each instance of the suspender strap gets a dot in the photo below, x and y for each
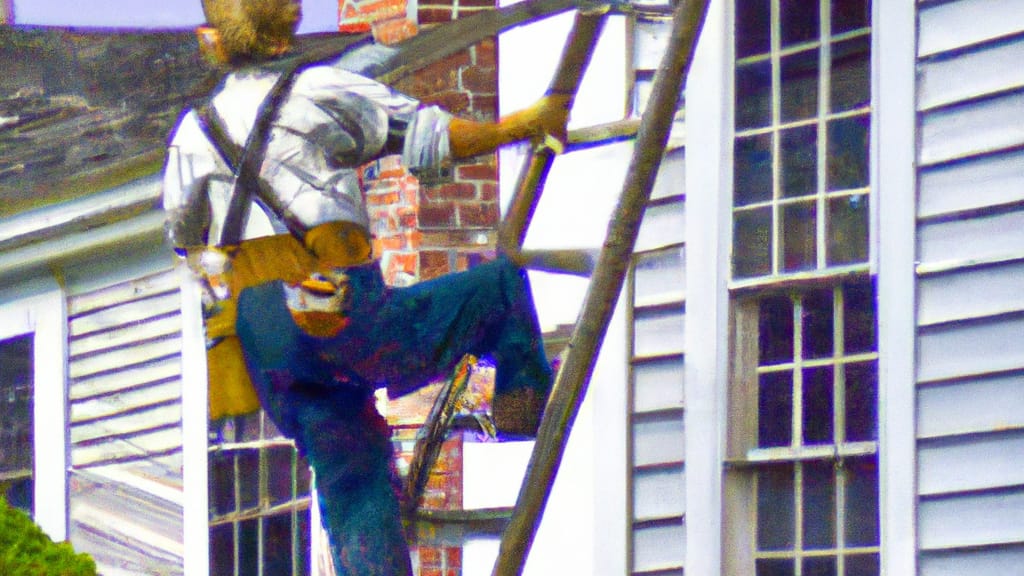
(247, 173)
(212, 127)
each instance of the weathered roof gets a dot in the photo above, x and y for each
(85, 111)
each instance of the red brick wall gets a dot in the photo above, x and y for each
(457, 217)
(438, 560)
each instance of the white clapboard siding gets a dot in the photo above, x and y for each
(975, 73)
(995, 180)
(948, 26)
(989, 561)
(972, 128)
(941, 296)
(971, 520)
(657, 435)
(971, 406)
(125, 344)
(664, 224)
(970, 302)
(127, 526)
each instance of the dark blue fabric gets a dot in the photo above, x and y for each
(319, 390)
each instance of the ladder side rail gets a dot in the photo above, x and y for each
(575, 57)
(574, 375)
(579, 48)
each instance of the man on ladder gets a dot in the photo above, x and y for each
(262, 197)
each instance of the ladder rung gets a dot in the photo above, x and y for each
(578, 262)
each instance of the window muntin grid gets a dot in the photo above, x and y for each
(813, 452)
(16, 422)
(802, 110)
(259, 501)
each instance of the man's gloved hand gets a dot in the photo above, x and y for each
(542, 121)
(546, 117)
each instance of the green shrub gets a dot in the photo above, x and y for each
(25, 550)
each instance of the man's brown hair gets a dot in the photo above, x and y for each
(253, 30)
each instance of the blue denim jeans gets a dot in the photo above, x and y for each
(319, 391)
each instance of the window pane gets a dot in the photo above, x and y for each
(775, 517)
(799, 85)
(850, 15)
(753, 27)
(222, 483)
(818, 322)
(859, 321)
(248, 547)
(848, 153)
(248, 478)
(277, 545)
(862, 402)
(305, 476)
(799, 240)
(279, 481)
(820, 566)
(752, 242)
(799, 150)
(848, 229)
(776, 330)
(753, 95)
(775, 567)
(819, 506)
(775, 409)
(817, 417)
(851, 74)
(222, 550)
(16, 402)
(304, 545)
(800, 21)
(861, 502)
(752, 169)
(862, 565)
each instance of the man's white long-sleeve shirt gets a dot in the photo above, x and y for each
(331, 122)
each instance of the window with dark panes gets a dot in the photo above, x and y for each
(802, 495)
(807, 452)
(259, 501)
(800, 153)
(16, 422)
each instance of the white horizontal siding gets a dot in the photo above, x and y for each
(986, 70)
(972, 184)
(984, 519)
(971, 463)
(127, 526)
(656, 493)
(989, 562)
(658, 440)
(154, 372)
(970, 129)
(970, 306)
(659, 276)
(941, 296)
(971, 406)
(658, 331)
(658, 385)
(659, 548)
(670, 180)
(664, 224)
(969, 240)
(125, 346)
(969, 349)
(953, 25)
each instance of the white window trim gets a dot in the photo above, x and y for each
(709, 118)
(893, 178)
(194, 429)
(44, 315)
